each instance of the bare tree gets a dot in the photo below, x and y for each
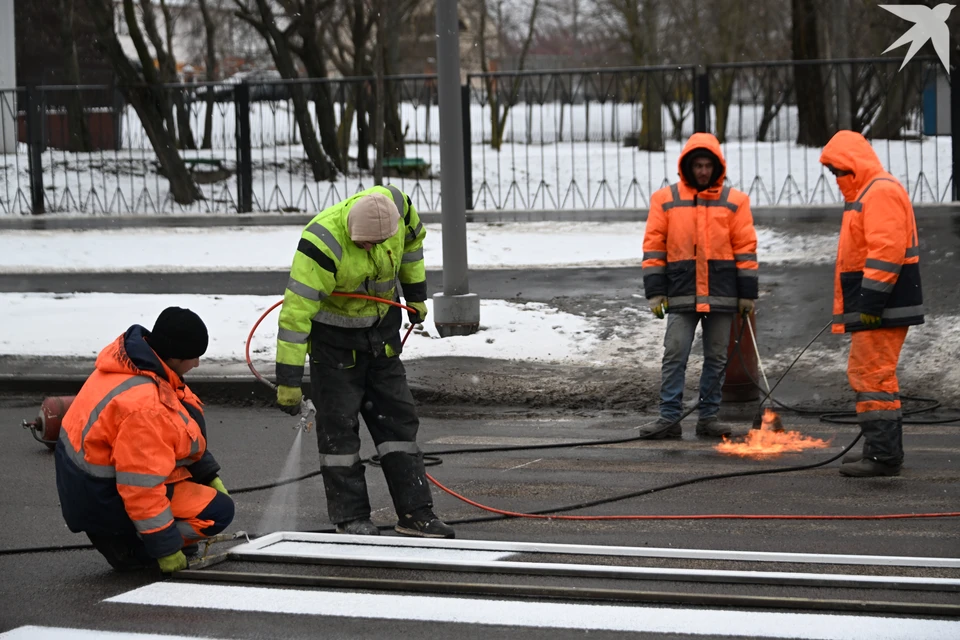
(144, 91)
(210, 39)
(260, 16)
(307, 16)
(813, 130)
(349, 28)
(635, 25)
(501, 100)
(77, 121)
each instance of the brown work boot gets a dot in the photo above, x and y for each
(711, 428)
(661, 429)
(869, 468)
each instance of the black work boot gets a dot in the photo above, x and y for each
(423, 523)
(358, 527)
(711, 428)
(661, 429)
(854, 456)
(868, 468)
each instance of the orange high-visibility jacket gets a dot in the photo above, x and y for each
(700, 247)
(878, 256)
(133, 429)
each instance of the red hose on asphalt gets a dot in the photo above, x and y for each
(711, 516)
(253, 330)
(515, 514)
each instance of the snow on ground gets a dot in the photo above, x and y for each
(490, 246)
(80, 325)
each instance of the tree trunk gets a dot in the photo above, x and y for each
(393, 133)
(722, 97)
(146, 101)
(315, 62)
(183, 115)
(813, 130)
(320, 165)
(153, 35)
(359, 34)
(377, 114)
(76, 120)
(651, 119)
(210, 33)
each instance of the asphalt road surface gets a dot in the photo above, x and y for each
(256, 446)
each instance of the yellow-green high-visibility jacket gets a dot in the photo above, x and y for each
(328, 261)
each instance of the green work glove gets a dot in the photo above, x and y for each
(420, 315)
(658, 304)
(745, 306)
(173, 562)
(288, 399)
(869, 321)
(217, 484)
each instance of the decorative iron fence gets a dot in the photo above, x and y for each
(584, 139)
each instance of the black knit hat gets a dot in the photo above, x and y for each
(178, 333)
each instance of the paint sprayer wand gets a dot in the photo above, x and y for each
(775, 423)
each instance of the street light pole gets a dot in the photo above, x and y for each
(456, 310)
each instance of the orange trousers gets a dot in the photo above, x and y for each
(199, 511)
(872, 372)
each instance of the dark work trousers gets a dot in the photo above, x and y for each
(346, 383)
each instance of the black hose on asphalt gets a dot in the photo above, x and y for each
(832, 417)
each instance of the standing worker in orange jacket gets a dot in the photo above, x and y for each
(133, 469)
(699, 266)
(876, 295)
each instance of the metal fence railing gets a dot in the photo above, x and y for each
(583, 139)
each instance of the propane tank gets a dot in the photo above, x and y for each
(46, 427)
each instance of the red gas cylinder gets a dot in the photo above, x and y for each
(742, 370)
(46, 428)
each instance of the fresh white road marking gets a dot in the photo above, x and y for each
(62, 633)
(516, 613)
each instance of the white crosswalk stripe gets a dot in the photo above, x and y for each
(517, 613)
(63, 633)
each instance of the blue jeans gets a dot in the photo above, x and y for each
(676, 351)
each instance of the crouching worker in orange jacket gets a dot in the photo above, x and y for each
(876, 295)
(133, 469)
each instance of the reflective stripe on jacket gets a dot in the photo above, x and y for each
(878, 256)
(132, 430)
(700, 247)
(328, 261)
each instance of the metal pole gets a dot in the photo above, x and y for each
(36, 140)
(955, 127)
(8, 79)
(244, 159)
(467, 149)
(843, 71)
(456, 310)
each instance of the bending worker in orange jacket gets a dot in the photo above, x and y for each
(133, 469)
(876, 295)
(700, 266)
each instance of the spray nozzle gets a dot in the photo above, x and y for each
(308, 414)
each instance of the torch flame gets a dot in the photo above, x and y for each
(766, 442)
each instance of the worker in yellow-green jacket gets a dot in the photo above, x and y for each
(369, 244)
